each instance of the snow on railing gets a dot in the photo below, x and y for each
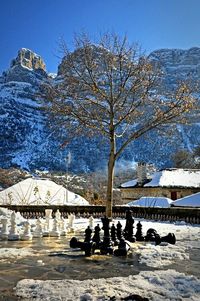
(172, 214)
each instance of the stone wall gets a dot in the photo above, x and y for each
(130, 194)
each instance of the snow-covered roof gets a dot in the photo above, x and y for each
(152, 202)
(188, 201)
(176, 178)
(39, 192)
(171, 178)
(131, 183)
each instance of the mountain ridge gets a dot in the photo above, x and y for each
(27, 142)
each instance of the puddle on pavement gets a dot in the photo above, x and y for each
(60, 262)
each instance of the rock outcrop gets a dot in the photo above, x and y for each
(29, 59)
(26, 67)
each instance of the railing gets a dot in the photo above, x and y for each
(189, 215)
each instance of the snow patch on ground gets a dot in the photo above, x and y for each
(157, 285)
(15, 253)
(162, 255)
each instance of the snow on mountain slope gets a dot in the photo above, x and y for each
(27, 142)
(24, 137)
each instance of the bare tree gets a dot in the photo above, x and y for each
(183, 159)
(109, 89)
(186, 159)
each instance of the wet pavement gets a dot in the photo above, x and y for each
(60, 262)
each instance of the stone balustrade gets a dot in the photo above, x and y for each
(189, 215)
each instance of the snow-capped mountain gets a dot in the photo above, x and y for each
(27, 142)
(24, 137)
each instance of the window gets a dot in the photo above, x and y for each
(174, 195)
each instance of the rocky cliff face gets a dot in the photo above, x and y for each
(26, 67)
(178, 64)
(177, 57)
(27, 58)
(26, 141)
(24, 136)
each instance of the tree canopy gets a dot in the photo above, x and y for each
(111, 89)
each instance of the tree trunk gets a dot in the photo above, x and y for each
(111, 164)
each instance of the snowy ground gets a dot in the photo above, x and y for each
(156, 285)
(165, 272)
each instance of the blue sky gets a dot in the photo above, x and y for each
(39, 24)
